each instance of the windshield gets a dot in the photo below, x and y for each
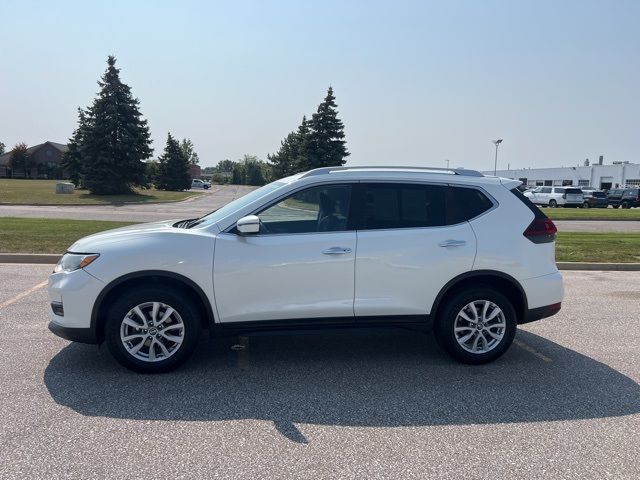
(237, 204)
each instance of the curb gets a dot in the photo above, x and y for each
(40, 258)
(613, 267)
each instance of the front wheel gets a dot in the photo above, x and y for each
(476, 326)
(625, 205)
(152, 330)
(585, 205)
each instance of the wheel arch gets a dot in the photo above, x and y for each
(504, 283)
(145, 278)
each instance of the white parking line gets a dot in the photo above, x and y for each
(532, 350)
(24, 294)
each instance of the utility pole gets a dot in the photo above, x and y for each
(495, 164)
(447, 160)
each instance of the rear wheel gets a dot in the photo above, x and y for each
(625, 205)
(585, 205)
(152, 330)
(477, 325)
(553, 203)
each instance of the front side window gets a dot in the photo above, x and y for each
(391, 205)
(316, 209)
(560, 190)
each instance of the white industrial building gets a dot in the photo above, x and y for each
(619, 174)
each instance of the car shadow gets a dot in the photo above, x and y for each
(375, 379)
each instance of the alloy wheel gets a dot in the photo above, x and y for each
(480, 326)
(152, 331)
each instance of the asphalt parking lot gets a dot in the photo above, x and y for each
(564, 402)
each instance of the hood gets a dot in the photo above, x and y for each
(93, 243)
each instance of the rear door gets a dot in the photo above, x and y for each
(409, 246)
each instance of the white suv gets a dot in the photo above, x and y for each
(452, 251)
(556, 196)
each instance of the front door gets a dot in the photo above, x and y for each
(299, 267)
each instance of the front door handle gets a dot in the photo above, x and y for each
(336, 251)
(452, 243)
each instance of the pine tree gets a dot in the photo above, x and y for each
(173, 167)
(2, 147)
(283, 162)
(116, 140)
(187, 147)
(72, 160)
(326, 139)
(20, 160)
(291, 157)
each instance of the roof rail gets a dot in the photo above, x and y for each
(448, 171)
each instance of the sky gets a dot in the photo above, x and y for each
(416, 82)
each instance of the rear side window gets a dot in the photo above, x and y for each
(388, 205)
(574, 191)
(536, 211)
(560, 190)
(463, 204)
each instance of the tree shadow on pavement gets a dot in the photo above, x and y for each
(373, 379)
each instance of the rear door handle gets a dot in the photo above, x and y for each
(452, 243)
(336, 251)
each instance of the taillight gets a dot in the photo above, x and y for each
(541, 230)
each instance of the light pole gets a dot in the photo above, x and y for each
(495, 164)
(447, 160)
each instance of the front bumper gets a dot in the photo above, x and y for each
(82, 335)
(73, 294)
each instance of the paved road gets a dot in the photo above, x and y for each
(564, 402)
(211, 199)
(218, 196)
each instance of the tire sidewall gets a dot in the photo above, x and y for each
(446, 324)
(179, 302)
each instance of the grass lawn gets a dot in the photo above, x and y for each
(45, 235)
(592, 213)
(44, 191)
(598, 247)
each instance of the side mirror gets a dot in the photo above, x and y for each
(248, 224)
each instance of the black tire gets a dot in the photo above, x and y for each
(586, 205)
(553, 204)
(615, 206)
(179, 302)
(625, 205)
(445, 325)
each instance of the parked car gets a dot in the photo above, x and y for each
(466, 256)
(556, 196)
(624, 197)
(595, 199)
(197, 183)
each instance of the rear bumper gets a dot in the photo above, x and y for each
(539, 313)
(82, 335)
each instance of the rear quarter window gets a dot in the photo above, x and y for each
(464, 204)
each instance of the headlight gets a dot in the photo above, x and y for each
(73, 261)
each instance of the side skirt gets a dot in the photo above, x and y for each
(420, 323)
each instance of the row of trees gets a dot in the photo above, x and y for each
(317, 142)
(111, 144)
(108, 149)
